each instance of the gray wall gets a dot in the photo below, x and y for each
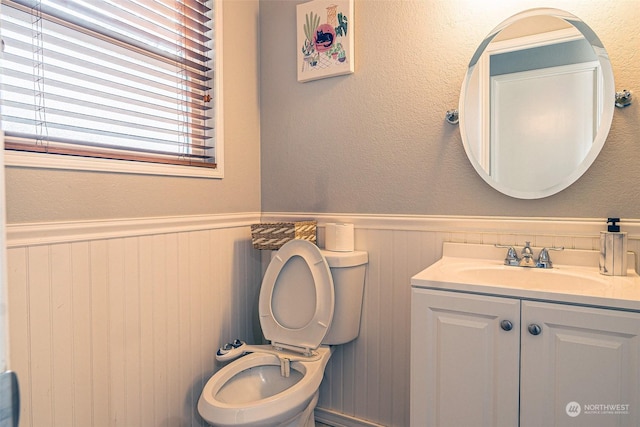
(372, 142)
(376, 141)
(41, 195)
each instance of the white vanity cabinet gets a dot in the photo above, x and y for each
(464, 366)
(480, 360)
(582, 356)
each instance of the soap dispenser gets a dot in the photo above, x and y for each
(613, 250)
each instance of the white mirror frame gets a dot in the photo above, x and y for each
(608, 91)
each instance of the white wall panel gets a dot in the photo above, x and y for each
(367, 381)
(122, 331)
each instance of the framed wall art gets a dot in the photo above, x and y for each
(325, 39)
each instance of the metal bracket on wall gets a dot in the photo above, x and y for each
(452, 117)
(623, 98)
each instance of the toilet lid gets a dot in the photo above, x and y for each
(297, 297)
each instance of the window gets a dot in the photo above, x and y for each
(125, 85)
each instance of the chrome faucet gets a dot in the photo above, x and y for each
(527, 256)
(527, 259)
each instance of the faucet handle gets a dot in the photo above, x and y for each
(544, 260)
(512, 255)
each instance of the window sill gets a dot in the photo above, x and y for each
(45, 161)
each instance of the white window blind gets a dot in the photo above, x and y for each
(118, 79)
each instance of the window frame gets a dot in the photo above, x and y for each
(26, 159)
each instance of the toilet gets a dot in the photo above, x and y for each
(310, 300)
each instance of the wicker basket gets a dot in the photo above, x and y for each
(274, 235)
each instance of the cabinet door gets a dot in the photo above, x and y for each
(464, 365)
(582, 369)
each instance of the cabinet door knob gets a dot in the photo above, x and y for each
(506, 325)
(534, 329)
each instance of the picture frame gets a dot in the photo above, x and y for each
(325, 39)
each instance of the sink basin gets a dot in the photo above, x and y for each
(556, 279)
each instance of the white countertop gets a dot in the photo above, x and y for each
(574, 279)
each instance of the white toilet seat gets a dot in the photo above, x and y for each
(301, 330)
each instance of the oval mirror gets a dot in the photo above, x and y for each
(536, 103)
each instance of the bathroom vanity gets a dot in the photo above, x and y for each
(496, 345)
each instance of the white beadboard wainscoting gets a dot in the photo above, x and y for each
(116, 323)
(367, 381)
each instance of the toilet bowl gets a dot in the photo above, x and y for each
(251, 391)
(308, 298)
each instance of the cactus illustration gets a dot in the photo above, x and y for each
(341, 29)
(312, 22)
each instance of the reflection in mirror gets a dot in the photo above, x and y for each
(537, 103)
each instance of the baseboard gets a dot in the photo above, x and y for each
(337, 419)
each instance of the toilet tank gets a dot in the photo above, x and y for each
(348, 272)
